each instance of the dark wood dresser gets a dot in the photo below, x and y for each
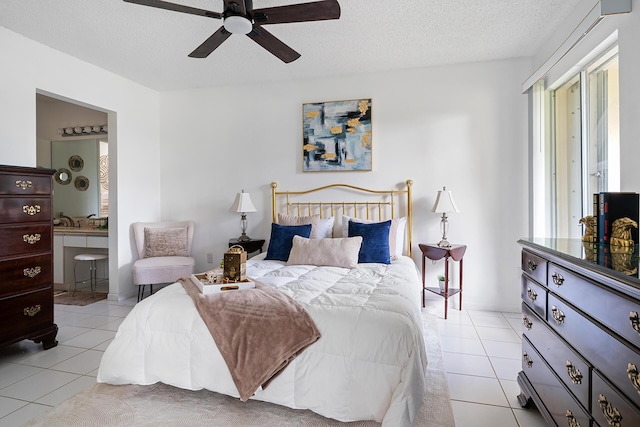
(580, 333)
(26, 256)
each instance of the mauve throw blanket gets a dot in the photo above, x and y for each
(258, 331)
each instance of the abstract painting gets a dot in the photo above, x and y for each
(337, 136)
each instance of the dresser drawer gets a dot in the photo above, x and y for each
(25, 239)
(558, 401)
(24, 274)
(615, 311)
(535, 296)
(25, 313)
(609, 408)
(24, 184)
(568, 366)
(534, 266)
(25, 209)
(603, 350)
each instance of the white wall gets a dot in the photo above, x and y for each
(460, 126)
(185, 154)
(133, 133)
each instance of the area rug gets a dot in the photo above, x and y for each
(163, 405)
(77, 297)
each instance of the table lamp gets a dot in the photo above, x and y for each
(444, 204)
(242, 205)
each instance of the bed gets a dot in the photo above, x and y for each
(370, 360)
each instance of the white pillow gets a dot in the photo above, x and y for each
(325, 228)
(396, 233)
(341, 252)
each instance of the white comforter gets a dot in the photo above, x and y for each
(369, 363)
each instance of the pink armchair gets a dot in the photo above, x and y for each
(164, 249)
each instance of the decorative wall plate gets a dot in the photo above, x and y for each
(76, 163)
(63, 176)
(81, 183)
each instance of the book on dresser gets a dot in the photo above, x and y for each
(613, 206)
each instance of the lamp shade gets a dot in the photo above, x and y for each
(243, 203)
(444, 202)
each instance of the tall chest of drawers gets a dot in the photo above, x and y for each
(26, 256)
(580, 333)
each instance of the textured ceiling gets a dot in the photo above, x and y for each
(150, 46)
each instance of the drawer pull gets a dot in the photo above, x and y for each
(557, 279)
(527, 360)
(531, 265)
(32, 272)
(571, 420)
(613, 416)
(632, 372)
(635, 322)
(23, 184)
(527, 323)
(32, 311)
(31, 238)
(532, 295)
(31, 210)
(574, 373)
(557, 314)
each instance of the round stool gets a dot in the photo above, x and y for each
(92, 258)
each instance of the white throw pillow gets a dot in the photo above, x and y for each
(396, 233)
(341, 252)
(325, 228)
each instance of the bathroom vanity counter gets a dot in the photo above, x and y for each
(80, 230)
(69, 242)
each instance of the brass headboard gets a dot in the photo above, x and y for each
(384, 208)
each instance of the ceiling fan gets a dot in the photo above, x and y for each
(239, 17)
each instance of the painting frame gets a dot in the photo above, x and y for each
(337, 136)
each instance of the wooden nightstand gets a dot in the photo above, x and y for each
(251, 246)
(434, 253)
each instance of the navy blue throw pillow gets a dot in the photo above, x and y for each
(375, 241)
(282, 240)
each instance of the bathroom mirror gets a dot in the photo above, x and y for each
(89, 194)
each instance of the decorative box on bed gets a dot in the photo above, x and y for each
(370, 360)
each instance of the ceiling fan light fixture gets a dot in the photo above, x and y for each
(237, 25)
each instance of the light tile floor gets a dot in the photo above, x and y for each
(482, 358)
(481, 352)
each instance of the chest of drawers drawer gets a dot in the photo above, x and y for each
(535, 296)
(603, 350)
(25, 239)
(22, 184)
(568, 366)
(25, 209)
(609, 407)
(617, 312)
(557, 400)
(25, 313)
(24, 274)
(534, 266)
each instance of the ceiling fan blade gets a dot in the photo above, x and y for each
(235, 6)
(315, 11)
(176, 8)
(210, 44)
(273, 44)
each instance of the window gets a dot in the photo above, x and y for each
(582, 143)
